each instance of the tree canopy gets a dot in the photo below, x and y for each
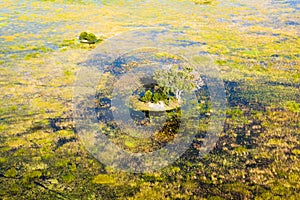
(174, 80)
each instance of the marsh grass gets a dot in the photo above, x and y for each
(257, 52)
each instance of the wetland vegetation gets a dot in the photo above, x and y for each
(256, 48)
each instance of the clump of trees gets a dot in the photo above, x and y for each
(89, 38)
(174, 81)
(171, 83)
(156, 97)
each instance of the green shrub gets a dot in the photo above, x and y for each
(164, 96)
(156, 97)
(83, 35)
(147, 97)
(89, 37)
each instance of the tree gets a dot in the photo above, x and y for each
(174, 81)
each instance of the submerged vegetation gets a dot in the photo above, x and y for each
(256, 48)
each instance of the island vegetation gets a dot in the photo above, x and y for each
(166, 94)
(88, 38)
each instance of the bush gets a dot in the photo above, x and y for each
(156, 97)
(147, 96)
(89, 37)
(164, 96)
(83, 35)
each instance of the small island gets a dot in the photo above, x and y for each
(165, 94)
